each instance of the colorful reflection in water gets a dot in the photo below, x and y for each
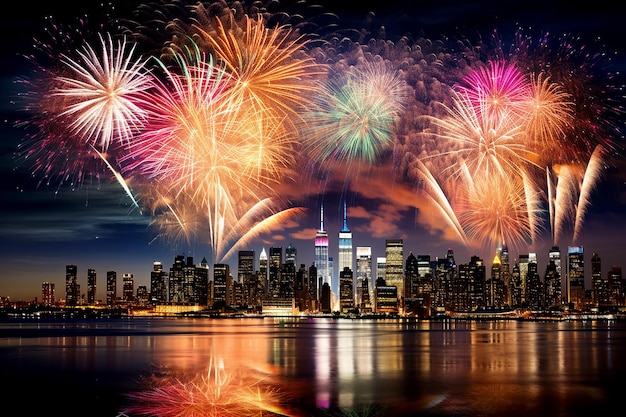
(320, 366)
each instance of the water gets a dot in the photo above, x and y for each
(312, 367)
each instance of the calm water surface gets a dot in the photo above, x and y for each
(316, 367)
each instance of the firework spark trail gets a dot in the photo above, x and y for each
(436, 195)
(590, 179)
(120, 179)
(566, 197)
(104, 95)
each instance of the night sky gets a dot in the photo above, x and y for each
(49, 223)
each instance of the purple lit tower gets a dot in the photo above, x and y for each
(321, 253)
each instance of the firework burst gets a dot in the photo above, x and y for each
(104, 95)
(355, 114)
(217, 392)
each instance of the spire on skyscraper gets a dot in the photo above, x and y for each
(345, 218)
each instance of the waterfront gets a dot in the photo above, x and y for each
(313, 366)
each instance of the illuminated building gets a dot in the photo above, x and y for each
(111, 288)
(394, 266)
(91, 286)
(363, 273)
(72, 289)
(321, 253)
(47, 293)
(575, 276)
(599, 283)
(128, 288)
(158, 284)
(345, 247)
(291, 254)
(346, 290)
(221, 285)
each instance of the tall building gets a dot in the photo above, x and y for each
(575, 276)
(552, 286)
(128, 288)
(72, 289)
(181, 280)
(425, 272)
(554, 292)
(291, 254)
(494, 281)
(245, 266)
(445, 273)
(263, 270)
(111, 288)
(158, 284)
(411, 276)
(91, 286)
(345, 246)
(274, 276)
(616, 286)
(534, 286)
(201, 287)
(221, 285)
(523, 261)
(381, 266)
(394, 266)
(321, 254)
(346, 290)
(47, 293)
(363, 273)
(599, 283)
(505, 272)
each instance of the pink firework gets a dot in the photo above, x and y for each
(499, 90)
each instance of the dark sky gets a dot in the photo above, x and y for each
(47, 226)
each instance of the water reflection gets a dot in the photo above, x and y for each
(307, 367)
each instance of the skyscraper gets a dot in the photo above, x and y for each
(128, 288)
(72, 289)
(394, 265)
(363, 273)
(158, 284)
(575, 276)
(291, 254)
(321, 253)
(263, 270)
(275, 265)
(112, 288)
(553, 291)
(245, 266)
(221, 285)
(345, 245)
(91, 286)
(47, 293)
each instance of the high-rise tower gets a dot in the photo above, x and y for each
(575, 276)
(394, 265)
(321, 253)
(91, 286)
(363, 274)
(345, 246)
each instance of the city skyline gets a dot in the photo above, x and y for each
(96, 223)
